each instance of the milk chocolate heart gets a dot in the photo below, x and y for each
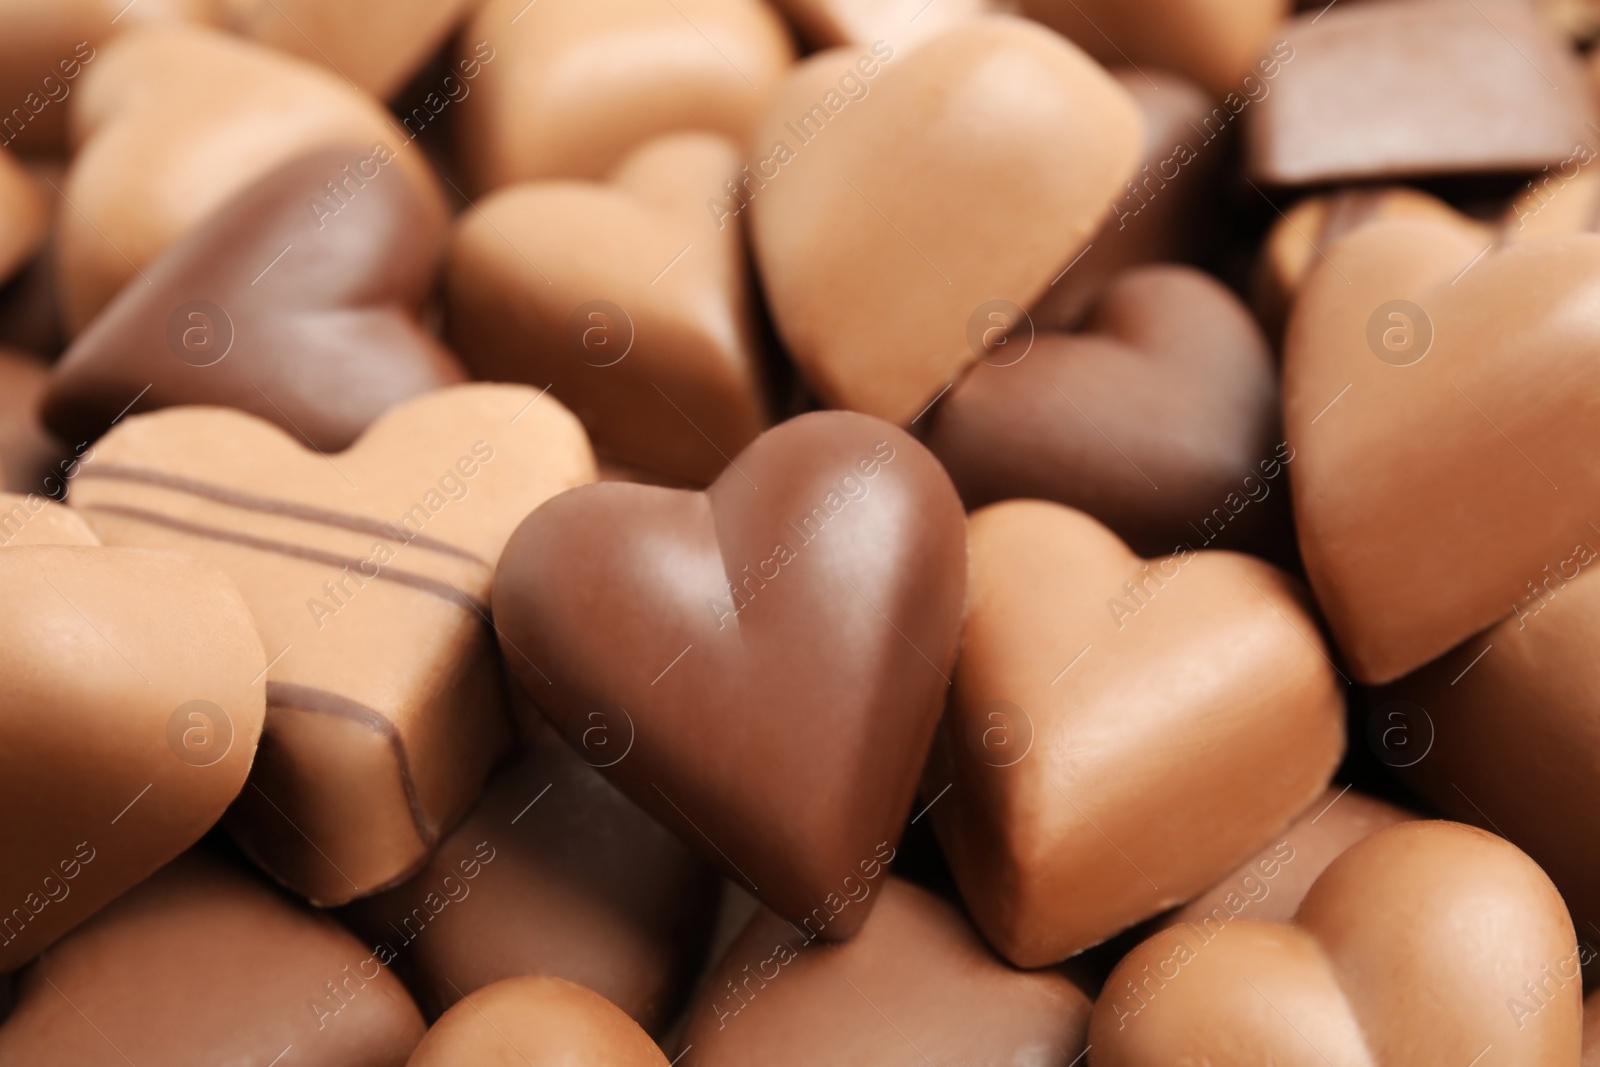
(556, 103)
(1515, 728)
(761, 665)
(1163, 212)
(1213, 42)
(130, 708)
(1417, 87)
(894, 197)
(27, 449)
(1591, 1031)
(1269, 886)
(554, 873)
(1122, 732)
(294, 301)
(630, 302)
(45, 47)
(173, 122)
(1165, 407)
(375, 44)
(831, 23)
(917, 982)
(1410, 335)
(1376, 969)
(368, 573)
(536, 1021)
(276, 981)
(23, 216)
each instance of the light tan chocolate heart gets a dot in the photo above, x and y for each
(23, 216)
(575, 87)
(628, 300)
(368, 572)
(1122, 732)
(1508, 737)
(172, 122)
(893, 195)
(1429, 944)
(377, 44)
(1438, 396)
(831, 23)
(131, 701)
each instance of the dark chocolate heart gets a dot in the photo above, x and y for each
(1159, 419)
(296, 301)
(762, 665)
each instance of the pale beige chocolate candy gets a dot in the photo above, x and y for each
(368, 572)
(537, 1022)
(1270, 885)
(831, 23)
(1213, 42)
(377, 44)
(898, 194)
(28, 452)
(23, 215)
(1425, 945)
(1414, 335)
(203, 965)
(132, 704)
(574, 87)
(172, 122)
(1121, 732)
(630, 300)
(1510, 740)
(1300, 239)
(45, 48)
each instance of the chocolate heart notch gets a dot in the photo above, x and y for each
(1411, 336)
(761, 666)
(1423, 945)
(1151, 419)
(296, 301)
(898, 193)
(1122, 732)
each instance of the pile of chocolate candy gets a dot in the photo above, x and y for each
(866, 533)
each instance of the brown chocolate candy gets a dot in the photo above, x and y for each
(1270, 885)
(1122, 732)
(537, 1022)
(759, 666)
(628, 300)
(898, 196)
(1412, 336)
(203, 965)
(1425, 944)
(1409, 88)
(1508, 736)
(368, 573)
(28, 452)
(132, 707)
(172, 122)
(554, 873)
(1591, 1031)
(1160, 214)
(296, 301)
(1160, 419)
(555, 102)
(916, 986)
(1213, 42)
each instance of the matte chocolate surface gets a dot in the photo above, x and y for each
(29, 453)
(296, 301)
(760, 666)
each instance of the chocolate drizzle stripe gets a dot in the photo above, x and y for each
(268, 506)
(432, 586)
(288, 696)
